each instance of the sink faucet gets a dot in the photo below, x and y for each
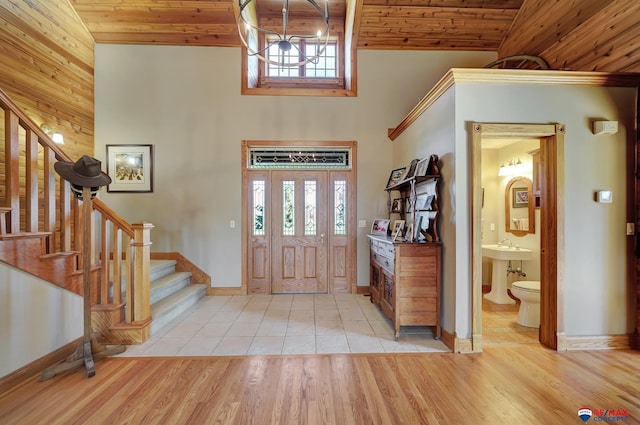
(506, 241)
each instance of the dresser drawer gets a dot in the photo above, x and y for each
(383, 249)
(385, 262)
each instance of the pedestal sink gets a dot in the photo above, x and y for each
(500, 256)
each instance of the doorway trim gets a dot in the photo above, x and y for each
(551, 136)
(350, 174)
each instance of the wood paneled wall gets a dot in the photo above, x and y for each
(585, 35)
(47, 62)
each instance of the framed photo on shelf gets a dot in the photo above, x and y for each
(428, 202)
(421, 168)
(397, 205)
(412, 169)
(396, 176)
(380, 226)
(130, 168)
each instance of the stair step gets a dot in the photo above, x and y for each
(24, 235)
(175, 304)
(61, 254)
(167, 285)
(158, 270)
(161, 268)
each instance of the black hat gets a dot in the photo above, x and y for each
(84, 172)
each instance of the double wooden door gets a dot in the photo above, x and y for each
(298, 241)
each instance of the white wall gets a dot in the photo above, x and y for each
(434, 133)
(595, 255)
(186, 102)
(35, 318)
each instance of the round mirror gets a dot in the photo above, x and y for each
(519, 207)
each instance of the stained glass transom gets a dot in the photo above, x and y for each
(300, 158)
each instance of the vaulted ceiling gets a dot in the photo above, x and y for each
(588, 35)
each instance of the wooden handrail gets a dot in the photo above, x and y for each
(119, 254)
(26, 122)
(104, 209)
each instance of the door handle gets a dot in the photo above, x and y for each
(322, 238)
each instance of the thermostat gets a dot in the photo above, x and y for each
(604, 196)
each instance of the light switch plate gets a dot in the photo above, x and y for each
(362, 223)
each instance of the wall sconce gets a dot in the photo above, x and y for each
(510, 168)
(515, 167)
(56, 136)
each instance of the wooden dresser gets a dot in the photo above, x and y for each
(404, 281)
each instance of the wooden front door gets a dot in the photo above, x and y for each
(299, 231)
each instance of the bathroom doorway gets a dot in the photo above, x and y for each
(551, 142)
(510, 226)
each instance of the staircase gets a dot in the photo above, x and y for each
(42, 233)
(172, 293)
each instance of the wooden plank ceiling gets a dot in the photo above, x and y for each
(383, 24)
(591, 35)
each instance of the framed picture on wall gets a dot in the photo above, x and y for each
(130, 168)
(520, 197)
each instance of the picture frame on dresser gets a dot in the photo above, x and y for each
(397, 231)
(380, 226)
(398, 225)
(408, 236)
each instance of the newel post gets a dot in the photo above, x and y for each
(141, 271)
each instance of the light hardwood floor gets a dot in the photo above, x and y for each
(500, 326)
(522, 385)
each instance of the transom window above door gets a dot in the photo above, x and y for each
(299, 158)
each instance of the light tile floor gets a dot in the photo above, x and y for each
(284, 324)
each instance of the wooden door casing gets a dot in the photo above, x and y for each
(551, 137)
(341, 235)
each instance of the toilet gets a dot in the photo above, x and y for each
(528, 292)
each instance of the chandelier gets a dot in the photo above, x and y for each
(249, 29)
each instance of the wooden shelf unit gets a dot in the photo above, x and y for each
(412, 190)
(404, 282)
